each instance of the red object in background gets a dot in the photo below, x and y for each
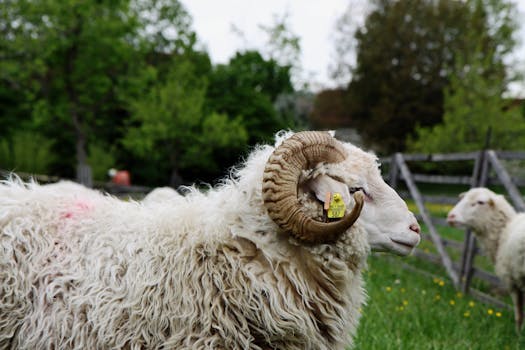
(122, 177)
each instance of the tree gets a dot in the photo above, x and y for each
(329, 110)
(474, 102)
(247, 87)
(74, 59)
(62, 44)
(169, 124)
(284, 47)
(405, 52)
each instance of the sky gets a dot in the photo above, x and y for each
(312, 20)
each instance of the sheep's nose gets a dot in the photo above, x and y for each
(451, 217)
(415, 228)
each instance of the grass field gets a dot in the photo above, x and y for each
(408, 310)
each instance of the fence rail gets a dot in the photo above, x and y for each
(488, 169)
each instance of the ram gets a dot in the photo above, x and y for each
(248, 264)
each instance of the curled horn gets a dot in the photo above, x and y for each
(280, 180)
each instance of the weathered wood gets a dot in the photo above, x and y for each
(393, 173)
(447, 263)
(441, 199)
(443, 179)
(479, 178)
(488, 299)
(504, 177)
(511, 155)
(478, 168)
(84, 176)
(446, 242)
(433, 258)
(467, 261)
(494, 180)
(437, 157)
(487, 277)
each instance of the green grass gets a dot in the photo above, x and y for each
(409, 310)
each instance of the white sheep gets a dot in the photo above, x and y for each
(162, 195)
(240, 266)
(501, 234)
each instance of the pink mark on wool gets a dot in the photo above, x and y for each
(78, 209)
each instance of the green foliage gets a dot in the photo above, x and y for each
(406, 52)
(471, 112)
(169, 120)
(100, 158)
(249, 77)
(219, 144)
(26, 151)
(73, 59)
(474, 103)
(95, 76)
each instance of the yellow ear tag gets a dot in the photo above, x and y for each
(337, 207)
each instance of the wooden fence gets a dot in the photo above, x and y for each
(487, 169)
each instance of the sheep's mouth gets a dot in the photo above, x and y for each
(402, 248)
(404, 244)
(456, 224)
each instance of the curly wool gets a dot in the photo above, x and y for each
(85, 271)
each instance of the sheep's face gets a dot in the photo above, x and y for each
(385, 216)
(473, 208)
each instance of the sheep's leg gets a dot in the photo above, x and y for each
(517, 299)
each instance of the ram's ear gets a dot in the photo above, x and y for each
(323, 184)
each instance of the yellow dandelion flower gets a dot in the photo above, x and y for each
(441, 283)
(435, 279)
(405, 302)
(438, 297)
(466, 314)
(498, 314)
(490, 311)
(452, 302)
(471, 303)
(459, 295)
(388, 289)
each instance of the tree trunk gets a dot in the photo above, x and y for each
(83, 169)
(175, 179)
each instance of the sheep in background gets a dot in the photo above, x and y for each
(501, 234)
(162, 195)
(241, 266)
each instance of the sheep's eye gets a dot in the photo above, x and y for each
(355, 189)
(480, 202)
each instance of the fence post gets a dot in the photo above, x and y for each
(479, 178)
(84, 175)
(394, 171)
(506, 180)
(434, 235)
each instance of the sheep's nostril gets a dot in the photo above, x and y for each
(415, 228)
(451, 217)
